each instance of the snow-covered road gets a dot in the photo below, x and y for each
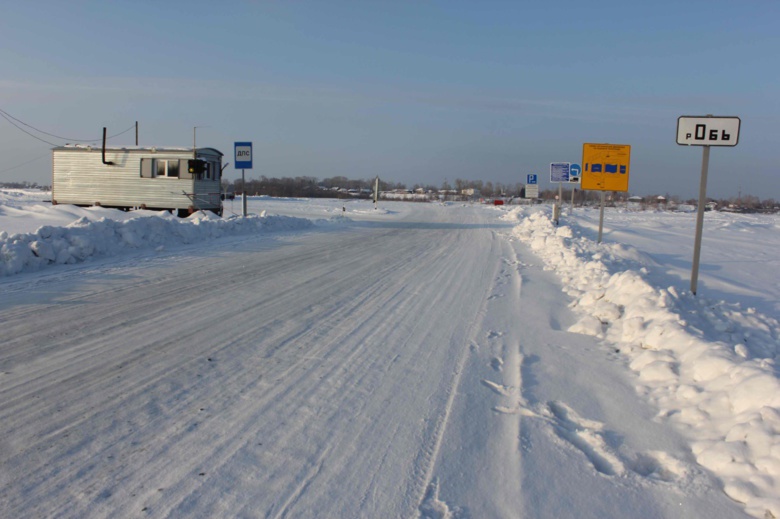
(310, 376)
(402, 367)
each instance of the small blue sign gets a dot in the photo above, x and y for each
(575, 172)
(531, 179)
(243, 156)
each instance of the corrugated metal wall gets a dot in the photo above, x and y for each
(79, 177)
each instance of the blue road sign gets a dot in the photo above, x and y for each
(243, 158)
(531, 179)
(575, 172)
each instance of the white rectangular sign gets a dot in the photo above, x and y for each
(707, 131)
(243, 159)
(559, 171)
(532, 191)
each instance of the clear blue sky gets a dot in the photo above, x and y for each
(415, 91)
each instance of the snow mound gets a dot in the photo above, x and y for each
(709, 366)
(86, 238)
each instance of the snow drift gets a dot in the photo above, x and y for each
(87, 238)
(709, 366)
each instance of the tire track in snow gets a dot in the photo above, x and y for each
(425, 478)
(260, 394)
(279, 395)
(139, 386)
(503, 291)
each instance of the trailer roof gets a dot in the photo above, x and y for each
(156, 149)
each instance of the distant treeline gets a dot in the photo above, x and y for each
(308, 187)
(24, 185)
(343, 187)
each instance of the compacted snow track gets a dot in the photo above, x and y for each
(307, 376)
(406, 367)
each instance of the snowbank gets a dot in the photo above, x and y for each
(86, 238)
(708, 365)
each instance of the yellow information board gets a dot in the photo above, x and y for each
(605, 167)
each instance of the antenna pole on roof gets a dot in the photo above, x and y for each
(136, 133)
(109, 163)
(194, 145)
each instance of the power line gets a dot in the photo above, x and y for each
(25, 131)
(115, 135)
(24, 163)
(8, 118)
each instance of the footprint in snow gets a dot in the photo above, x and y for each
(587, 436)
(498, 388)
(591, 437)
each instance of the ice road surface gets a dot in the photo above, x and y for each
(325, 359)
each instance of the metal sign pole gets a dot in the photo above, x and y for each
(560, 197)
(601, 217)
(572, 201)
(376, 192)
(243, 196)
(243, 152)
(705, 164)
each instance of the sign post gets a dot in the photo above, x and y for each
(605, 168)
(575, 170)
(705, 131)
(559, 172)
(243, 160)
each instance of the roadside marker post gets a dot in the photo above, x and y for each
(705, 131)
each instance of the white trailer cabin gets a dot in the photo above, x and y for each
(134, 177)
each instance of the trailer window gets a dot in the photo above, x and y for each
(167, 167)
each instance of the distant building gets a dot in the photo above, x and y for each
(635, 203)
